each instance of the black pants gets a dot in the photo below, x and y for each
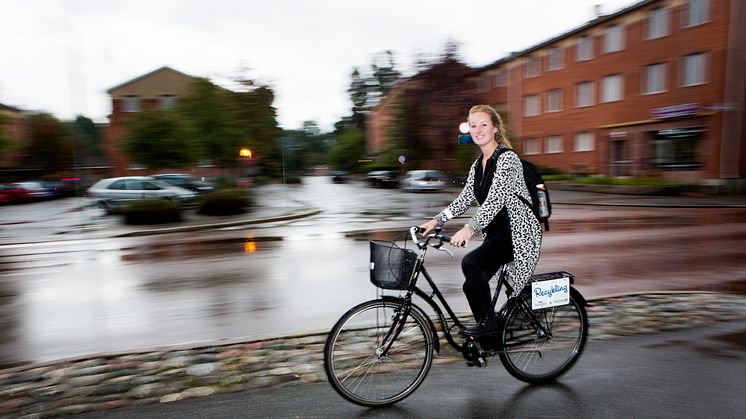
(480, 265)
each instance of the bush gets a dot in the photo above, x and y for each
(225, 202)
(152, 211)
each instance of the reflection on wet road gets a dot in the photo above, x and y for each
(75, 298)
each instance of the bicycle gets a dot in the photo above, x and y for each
(380, 351)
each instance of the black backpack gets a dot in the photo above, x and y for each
(540, 203)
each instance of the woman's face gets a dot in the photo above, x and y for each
(481, 128)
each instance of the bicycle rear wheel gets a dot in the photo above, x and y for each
(534, 355)
(357, 363)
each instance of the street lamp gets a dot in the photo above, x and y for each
(246, 154)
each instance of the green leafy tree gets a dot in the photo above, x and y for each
(350, 148)
(257, 120)
(50, 146)
(4, 136)
(207, 118)
(154, 139)
(87, 138)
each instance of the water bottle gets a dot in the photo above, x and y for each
(543, 206)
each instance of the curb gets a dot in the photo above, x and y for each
(291, 216)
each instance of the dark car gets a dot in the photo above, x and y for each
(383, 179)
(339, 177)
(187, 182)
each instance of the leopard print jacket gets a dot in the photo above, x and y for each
(525, 228)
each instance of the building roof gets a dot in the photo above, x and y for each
(9, 108)
(146, 75)
(597, 21)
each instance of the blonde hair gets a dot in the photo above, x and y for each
(500, 136)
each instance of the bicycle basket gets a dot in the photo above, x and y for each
(391, 266)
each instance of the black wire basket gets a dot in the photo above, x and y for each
(391, 266)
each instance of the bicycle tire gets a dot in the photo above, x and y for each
(353, 362)
(531, 356)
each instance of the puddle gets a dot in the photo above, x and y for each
(186, 250)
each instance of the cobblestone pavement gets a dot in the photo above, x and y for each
(169, 374)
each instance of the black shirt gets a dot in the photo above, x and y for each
(482, 183)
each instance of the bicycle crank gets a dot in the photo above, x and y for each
(473, 353)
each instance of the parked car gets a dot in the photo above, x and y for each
(187, 182)
(423, 180)
(111, 194)
(34, 191)
(12, 194)
(339, 176)
(383, 179)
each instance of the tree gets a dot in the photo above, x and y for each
(154, 139)
(4, 136)
(50, 147)
(350, 148)
(359, 95)
(208, 119)
(385, 76)
(86, 136)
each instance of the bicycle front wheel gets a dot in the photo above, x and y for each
(540, 345)
(365, 366)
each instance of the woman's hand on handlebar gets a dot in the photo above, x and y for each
(461, 238)
(428, 227)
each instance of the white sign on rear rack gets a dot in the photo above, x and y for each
(550, 293)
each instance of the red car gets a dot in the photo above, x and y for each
(12, 194)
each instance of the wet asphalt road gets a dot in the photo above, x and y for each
(79, 297)
(696, 373)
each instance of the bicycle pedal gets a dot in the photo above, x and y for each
(479, 362)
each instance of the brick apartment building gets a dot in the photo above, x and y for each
(160, 88)
(655, 89)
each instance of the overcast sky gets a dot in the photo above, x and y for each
(61, 56)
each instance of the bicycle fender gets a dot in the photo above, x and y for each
(574, 293)
(436, 339)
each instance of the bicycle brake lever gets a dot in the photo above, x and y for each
(443, 249)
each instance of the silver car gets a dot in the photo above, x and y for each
(110, 194)
(423, 180)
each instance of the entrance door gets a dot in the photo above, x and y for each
(620, 162)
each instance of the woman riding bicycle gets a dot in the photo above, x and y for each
(512, 234)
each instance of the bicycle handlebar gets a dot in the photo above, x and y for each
(442, 238)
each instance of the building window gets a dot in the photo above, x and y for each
(484, 83)
(531, 105)
(167, 101)
(676, 148)
(584, 141)
(657, 23)
(554, 100)
(611, 88)
(696, 12)
(554, 144)
(584, 94)
(501, 107)
(693, 70)
(614, 39)
(501, 78)
(556, 60)
(532, 67)
(584, 50)
(531, 146)
(655, 79)
(131, 104)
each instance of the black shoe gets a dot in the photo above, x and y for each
(484, 327)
